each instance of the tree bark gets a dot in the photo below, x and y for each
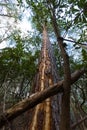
(46, 114)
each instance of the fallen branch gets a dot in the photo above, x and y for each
(79, 122)
(37, 98)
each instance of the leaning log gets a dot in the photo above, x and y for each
(37, 98)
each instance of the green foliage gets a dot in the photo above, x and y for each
(19, 1)
(18, 59)
(84, 57)
(79, 9)
(40, 13)
(18, 66)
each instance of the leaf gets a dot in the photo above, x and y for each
(76, 18)
(75, 10)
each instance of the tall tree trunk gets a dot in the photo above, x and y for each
(65, 104)
(46, 114)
